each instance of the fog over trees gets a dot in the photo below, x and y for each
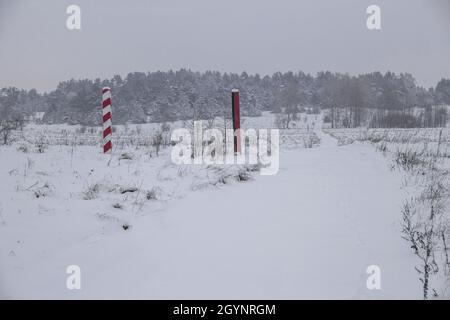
(372, 99)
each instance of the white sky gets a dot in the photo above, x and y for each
(257, 36)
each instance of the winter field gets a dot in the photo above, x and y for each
(140, 226)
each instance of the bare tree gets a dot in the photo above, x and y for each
(6, 128)
(157, 141)
(18, 121)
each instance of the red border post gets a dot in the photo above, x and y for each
(236, 120)
(107, 124)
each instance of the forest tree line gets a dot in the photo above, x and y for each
(372, 99)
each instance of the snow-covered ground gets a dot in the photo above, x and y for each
(310, 231)
(422, 156)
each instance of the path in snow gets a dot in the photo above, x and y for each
(308, 232)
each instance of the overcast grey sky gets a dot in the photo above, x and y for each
(257, 36)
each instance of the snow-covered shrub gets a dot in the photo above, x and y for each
(243, 175)
(43, 191)
(124, 190)
(407, 159)
(126, 156)
(152, 194)
(423, 228)
(117, 206)
(253, 167)
(382, 147)
(425, 217)
(310, 140)
(343, 141)
(91, 192)
(23, 147)
(183, 171)
(41, 144)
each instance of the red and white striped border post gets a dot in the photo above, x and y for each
(236, 120)
(107, 124)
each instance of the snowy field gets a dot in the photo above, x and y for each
(422, 156)
(140, 226)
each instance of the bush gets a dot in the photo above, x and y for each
(243, 175)
(152, 194)
(407, 159)
(382, 147)
(41, 145)
(23, 148)
(43, 191)
(91, 192)
(117, 206)
(126, 156)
